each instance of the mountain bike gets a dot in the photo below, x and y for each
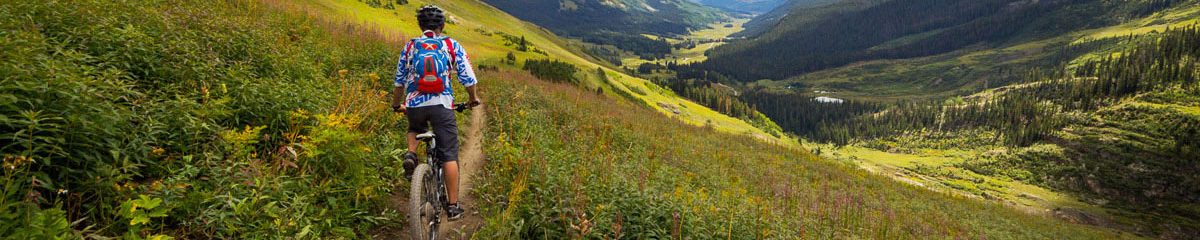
(427, 196)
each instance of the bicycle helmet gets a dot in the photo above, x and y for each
(431, 17)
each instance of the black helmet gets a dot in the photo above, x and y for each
(431, 17)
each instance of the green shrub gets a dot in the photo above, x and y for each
(226, 116)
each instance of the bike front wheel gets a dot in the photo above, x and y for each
(422, 210)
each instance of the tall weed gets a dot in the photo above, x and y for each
(234, 119)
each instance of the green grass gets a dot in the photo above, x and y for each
(558, 170)
(193, 119)
(268, 119)
(937, 170)
(971, 163)
(715, 31)
(1158, 22)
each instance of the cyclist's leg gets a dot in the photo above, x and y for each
(446, 130)
(412, 141)
(418, 123)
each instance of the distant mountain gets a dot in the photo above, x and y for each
(801, 12)
(811, 38)
(620, 23)
(744, 6)
(583, 17)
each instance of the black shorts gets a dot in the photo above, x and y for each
(444, 127)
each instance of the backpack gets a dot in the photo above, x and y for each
(430, 61)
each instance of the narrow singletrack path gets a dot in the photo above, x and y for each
(470, 162)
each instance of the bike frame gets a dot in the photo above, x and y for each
(439, 186)
(434, 185)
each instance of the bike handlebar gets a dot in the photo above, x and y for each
(461, 107)
(458, 107)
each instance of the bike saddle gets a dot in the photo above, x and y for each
(425, 136)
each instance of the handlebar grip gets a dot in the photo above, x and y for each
(461, 107)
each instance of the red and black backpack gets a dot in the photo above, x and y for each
(431, 59)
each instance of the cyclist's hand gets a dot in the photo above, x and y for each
(399, 108)
(474, 102)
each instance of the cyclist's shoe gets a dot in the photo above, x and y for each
(455, 211)
(410, 163)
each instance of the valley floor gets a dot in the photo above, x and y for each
(939, 170)
(934, 169)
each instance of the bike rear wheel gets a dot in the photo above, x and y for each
(422, 210)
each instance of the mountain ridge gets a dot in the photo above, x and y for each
(848, 37)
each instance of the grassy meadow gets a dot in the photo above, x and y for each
(268, 120)
(556, 169)
(192, 119)
(715, 32)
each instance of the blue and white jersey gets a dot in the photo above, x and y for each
(406, 76)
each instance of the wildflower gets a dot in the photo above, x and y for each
(157, 151)
(9, 163)
(61, 191)
(342, 73)
(34, 196)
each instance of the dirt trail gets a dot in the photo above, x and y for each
(469, 162)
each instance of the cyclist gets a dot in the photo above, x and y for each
(423, 93)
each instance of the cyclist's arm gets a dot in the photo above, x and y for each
(401, 81)
(466, 74)
(474, 97)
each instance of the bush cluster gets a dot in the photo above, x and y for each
(193, 119)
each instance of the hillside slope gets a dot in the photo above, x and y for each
(1101, 115)
(487, 32)
(800, 12)
(191, 119)
(558, 171)
(254, 119)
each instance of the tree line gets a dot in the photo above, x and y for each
(1024, 113)
(553, 70)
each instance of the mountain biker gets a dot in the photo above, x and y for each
(425, 64)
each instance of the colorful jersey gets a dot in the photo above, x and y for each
(406, 76)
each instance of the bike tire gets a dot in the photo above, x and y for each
(417, 201)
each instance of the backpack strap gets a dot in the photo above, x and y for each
(408, 51)
(408, 48)
(453, 57)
